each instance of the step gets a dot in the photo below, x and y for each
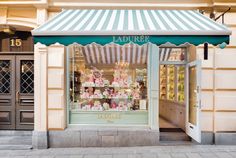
(16, 147)
(15, 133)
(174, 136)
(176, 143)
(15, 140)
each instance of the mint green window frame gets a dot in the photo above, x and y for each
(142, 118)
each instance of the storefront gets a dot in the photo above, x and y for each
(97, 74)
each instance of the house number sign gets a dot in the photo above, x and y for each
(15, 42)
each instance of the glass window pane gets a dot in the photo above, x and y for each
(27, 76)
(5, 76)
(109, 78)
(192, 95)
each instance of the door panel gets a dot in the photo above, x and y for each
(193, 100)
(24, 92)
(7, 92)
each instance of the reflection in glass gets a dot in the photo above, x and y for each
(192, 95)
(108, 78)
(5, 76)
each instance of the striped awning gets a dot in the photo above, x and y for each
(114, 53)
(153, 23)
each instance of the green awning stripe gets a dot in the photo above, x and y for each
(103, 40)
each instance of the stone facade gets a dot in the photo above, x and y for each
(218, 114)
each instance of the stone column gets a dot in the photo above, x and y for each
(42, 16)
(153, 85)
(3, 15)
(40, 135)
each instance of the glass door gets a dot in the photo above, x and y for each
(193, 102)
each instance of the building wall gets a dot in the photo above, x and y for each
(218, 84)
(218, 72)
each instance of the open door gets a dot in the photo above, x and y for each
(193, 102)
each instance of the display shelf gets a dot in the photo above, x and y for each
(171, 82)
(163, 82)
(138, 117)
(180, 89)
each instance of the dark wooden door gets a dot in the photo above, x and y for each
(16, 92)
(7, 92)
(24, 92)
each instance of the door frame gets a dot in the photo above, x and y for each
(194, 131)
(10, 96)
(20, 96)
(14, 109)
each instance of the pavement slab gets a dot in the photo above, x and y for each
(180, 151)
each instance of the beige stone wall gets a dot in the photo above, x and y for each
(56, 87)
(219, 84)
(218, 72)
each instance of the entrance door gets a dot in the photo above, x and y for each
(193, 104)
(16, 92)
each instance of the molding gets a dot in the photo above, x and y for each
(55, 89)
(225, 110)
(207, 110)
(56, 67)
(207, 68)
(225, 68)
(128, 5)
(56, 129)
(207, 90)
(231, 90)
(56, 109)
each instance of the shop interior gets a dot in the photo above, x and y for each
(172, 90)
(109, 80)
(113, 79)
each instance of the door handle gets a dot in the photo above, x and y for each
(17, 96)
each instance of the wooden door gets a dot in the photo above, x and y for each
(24, 92)
(16, 92)
(7, 92)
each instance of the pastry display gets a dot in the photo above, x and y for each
(171, 82)
(180, 93)
(118, 92)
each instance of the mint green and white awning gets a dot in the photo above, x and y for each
(158, 26)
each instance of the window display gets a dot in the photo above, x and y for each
(118, 83)
(180, 74)
(163, 82)
(171, 82)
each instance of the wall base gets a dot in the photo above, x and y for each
(103, 138)
(225, 138)
(207, 138)
(40, 140)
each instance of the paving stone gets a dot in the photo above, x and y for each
(208, 155)
(134, 156)
(90, 156)
(193, 155)
(148, 155)
(120, 156)
(178, 155)
(223, 155)
(164, 156)
(105, 156)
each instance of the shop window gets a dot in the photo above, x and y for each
(172, 74)
(108, 84)
(172, 54)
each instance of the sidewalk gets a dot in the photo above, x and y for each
(191, 151)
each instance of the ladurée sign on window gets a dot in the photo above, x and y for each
(127, 39)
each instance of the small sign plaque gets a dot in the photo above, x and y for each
(127, 39)
(15, 42)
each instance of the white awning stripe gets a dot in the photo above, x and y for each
(113, 53)
(130, 22)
